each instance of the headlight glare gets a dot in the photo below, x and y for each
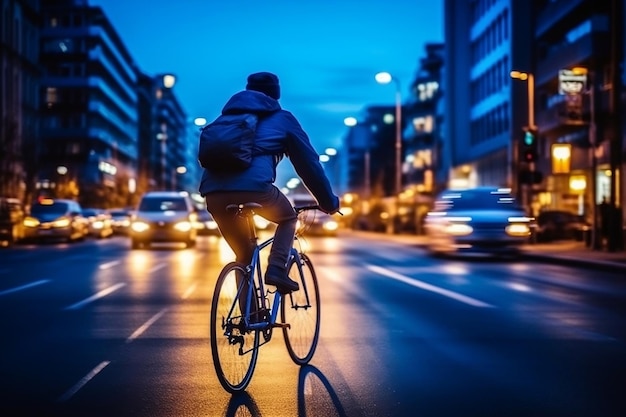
(139, 227)
(184, 226)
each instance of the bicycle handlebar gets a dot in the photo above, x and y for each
(300, 209)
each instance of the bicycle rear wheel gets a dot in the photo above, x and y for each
(301, 310)
(234, 348)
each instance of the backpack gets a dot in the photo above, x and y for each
(226, 143)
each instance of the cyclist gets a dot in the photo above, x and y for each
(278, 134)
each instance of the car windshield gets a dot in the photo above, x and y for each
(53, 208)
(475, 200)
(157, 204)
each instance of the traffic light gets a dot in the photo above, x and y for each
(529, 147)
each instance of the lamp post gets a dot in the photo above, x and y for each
(590, 80)
(386, 78)
(162, 138)
(180, 170)
(352, 122)
(530, 82)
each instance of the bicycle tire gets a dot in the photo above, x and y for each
(233, 348)
(301, 310)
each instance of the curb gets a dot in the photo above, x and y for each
(573, 260)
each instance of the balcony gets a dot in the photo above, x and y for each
(553, 16)
(586, 48)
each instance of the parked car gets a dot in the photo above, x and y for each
(480, 220)
(206, 225)
(100, 223)
(55, 219)
(560, 225)
(11, 221)
(164, 216)
(120, 219)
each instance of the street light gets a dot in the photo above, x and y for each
(386, 78)
(352, 122)
(530, 82)
(180, 170)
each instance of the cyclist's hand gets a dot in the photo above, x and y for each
(334, 209)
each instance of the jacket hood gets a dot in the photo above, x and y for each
(249, 101)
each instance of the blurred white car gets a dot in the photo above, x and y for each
(483, 219)
(164, 216)
(205, 224)
(100, 223)
(120, 219)
(55, 219)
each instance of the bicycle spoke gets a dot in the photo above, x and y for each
(301, 310)
(234, 348)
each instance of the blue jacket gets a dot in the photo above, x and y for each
(278, 134)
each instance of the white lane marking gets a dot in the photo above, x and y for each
(189, 291)
(428, 287)
(145, 326)
(24, 287)
(94, 297)
(95, 371)
(157, 267)
(109, 265)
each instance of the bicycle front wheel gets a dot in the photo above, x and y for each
(234, 348)
(301, 310)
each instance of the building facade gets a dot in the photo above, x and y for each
(422, 140)
(485, 40)
(164, 160)
(89, 109)
(80, 120)
(19, 95)
(578, 63)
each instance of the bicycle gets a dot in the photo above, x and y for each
(244, 313)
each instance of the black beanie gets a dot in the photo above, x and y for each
(265, 82)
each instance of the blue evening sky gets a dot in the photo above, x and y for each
(325, 52)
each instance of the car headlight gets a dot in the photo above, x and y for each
(31, 222)
(139, 227)
(519, 226)
(260, 222)
(457, 226)
(184, 226)
(518, 230)
(64, 222)
(98, 224)
(330, 226)
(459, 229)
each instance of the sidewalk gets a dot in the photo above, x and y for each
(566, 252)
(573, 252)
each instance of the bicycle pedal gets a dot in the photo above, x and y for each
(282, 325)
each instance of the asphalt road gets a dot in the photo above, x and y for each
(95, 329)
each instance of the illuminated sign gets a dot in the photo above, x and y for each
(571, 82)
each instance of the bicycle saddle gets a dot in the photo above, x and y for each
(243, 206)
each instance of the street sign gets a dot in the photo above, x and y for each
(571, 82)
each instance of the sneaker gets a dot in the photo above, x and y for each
(278, 277)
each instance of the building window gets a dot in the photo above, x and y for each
(52, 96)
